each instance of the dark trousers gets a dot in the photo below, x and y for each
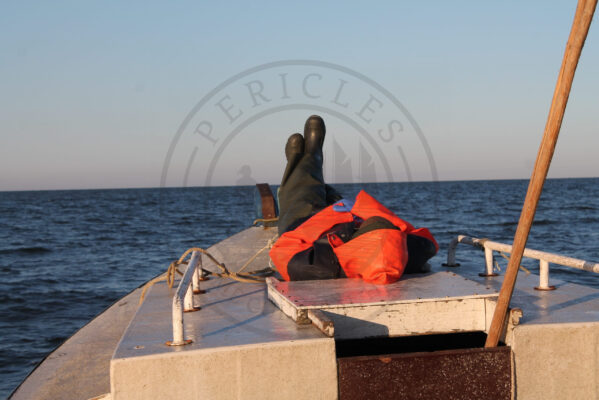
(303, 192)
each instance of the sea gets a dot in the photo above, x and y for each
(65, 256)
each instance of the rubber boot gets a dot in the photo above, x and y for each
(303, 192)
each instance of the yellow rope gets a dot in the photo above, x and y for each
(497, 266)
(247, 277)
(264, 220)
(268, 245)
(481, 243)
(520, 266)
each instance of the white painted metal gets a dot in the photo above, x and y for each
(188, 299)
(544, 257)
(543, 274)
(342, 293)
(322, 322)
(183, 291)
(489, 261)
(295, 313)
(451, 253)
(200, 269)
(195, 282)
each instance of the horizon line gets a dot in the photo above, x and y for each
(276, 184)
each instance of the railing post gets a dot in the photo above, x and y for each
(201, 274)
(183, 298)
(488, 262)
(544, 276)
(195, 281)
(198, 276)
(190, 300)
(543, 257)
(451, 254)
(178, 335)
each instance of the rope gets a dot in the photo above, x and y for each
(520, 266)
(256, 276)
(268, 245)
(264, 220)
(497, 266)
(481, 243)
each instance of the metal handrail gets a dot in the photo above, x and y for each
(184, 299)
(543, 257)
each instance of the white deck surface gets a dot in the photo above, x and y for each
(243, 347)
(570, 302)
(232, 314)
(414, 288)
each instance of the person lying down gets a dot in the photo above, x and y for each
(324, 236)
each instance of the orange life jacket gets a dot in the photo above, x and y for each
(379, 256)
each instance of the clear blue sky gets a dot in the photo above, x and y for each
(92, 93)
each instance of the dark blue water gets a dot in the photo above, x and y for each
(67, 255)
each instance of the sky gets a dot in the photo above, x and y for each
(147, 94)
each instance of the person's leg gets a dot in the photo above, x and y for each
(303, 192)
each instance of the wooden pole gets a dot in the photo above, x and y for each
(578, 34)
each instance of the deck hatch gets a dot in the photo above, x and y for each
(426, 304)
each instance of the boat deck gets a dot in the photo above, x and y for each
(554, 344)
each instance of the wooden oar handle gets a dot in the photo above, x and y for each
(578, 34)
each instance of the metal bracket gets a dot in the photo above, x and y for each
(300, 316)
(269, 210)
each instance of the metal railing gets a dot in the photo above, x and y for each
(184, 299)
(543, 257)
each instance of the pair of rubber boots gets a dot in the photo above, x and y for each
(312, 140)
